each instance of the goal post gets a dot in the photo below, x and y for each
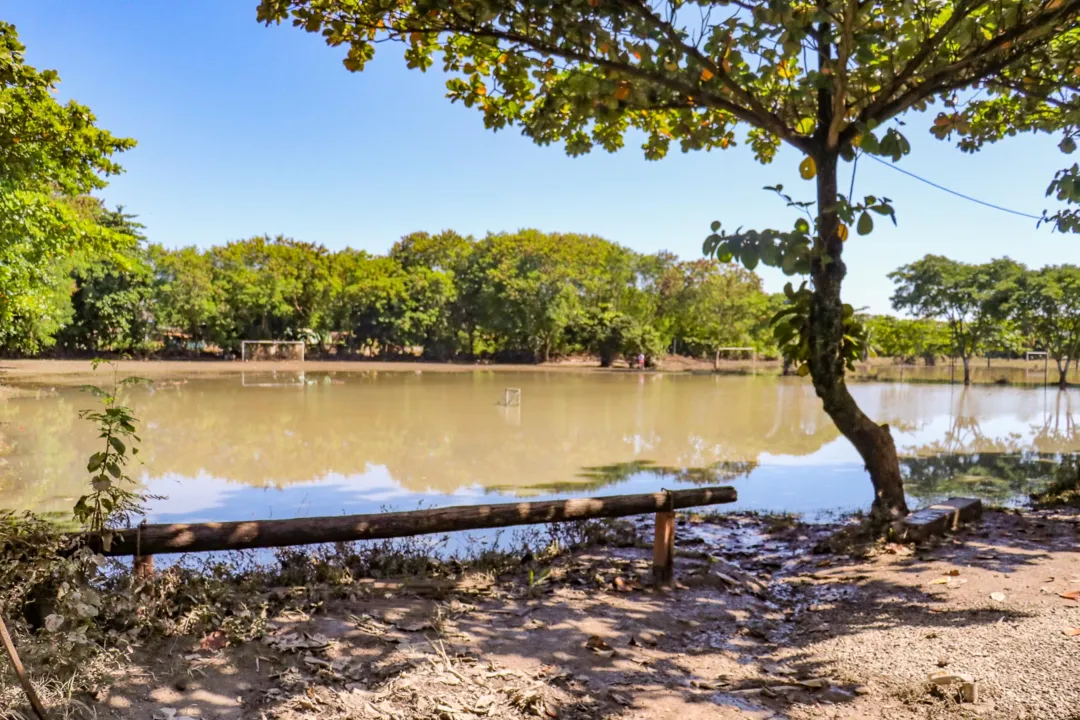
(282, 350)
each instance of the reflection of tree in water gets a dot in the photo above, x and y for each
(599, 476)
(997, 477)
(1058, 431)
(435, 431)
(968, 462)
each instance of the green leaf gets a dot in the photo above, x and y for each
(1068, 146)
(803, 370)
(806, 126)
(802, 225)
(715, 226)
(866, 224)
(118, 445)
(95, 462)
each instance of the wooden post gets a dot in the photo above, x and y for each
(664, 545)
(20, 673)
(143, 567)
(149, 540)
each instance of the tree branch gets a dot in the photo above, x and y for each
(949, 78)
(767, 120)
(832, 138)
(965, 8)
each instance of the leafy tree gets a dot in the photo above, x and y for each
(719, 305)
(49, 152)
(273, 288)
(186, 298)
(529, 287)
(828, 79)
(112, 292)
(440, 258)
(1047, 306)
(971, 299)
(908, 339)
(610, 334)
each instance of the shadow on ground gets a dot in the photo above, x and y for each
(759, 627)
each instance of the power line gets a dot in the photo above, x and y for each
(953, 192)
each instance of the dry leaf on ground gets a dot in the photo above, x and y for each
(214, 641)
(598, 646)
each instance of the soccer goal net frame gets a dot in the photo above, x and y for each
(511, 397)
(252, 350)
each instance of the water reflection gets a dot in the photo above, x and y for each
(296, 444)
(1003, 468)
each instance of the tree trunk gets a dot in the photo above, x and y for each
(874, 442)
(1063, 373)
(967, 370)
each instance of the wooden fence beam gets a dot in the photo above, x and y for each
(148, 540)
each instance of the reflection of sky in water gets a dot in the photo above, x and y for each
(770, 487)
(220, 450)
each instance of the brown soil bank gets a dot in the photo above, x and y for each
(760, 626)
(31, 369)
(877, 369)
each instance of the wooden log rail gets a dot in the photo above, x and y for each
(148, 540)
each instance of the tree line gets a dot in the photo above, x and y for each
(974, 308)
(525, 296)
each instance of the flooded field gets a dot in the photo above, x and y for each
(294, 444)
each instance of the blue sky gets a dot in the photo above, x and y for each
(246, 130)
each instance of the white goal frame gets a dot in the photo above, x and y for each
(244, 345)
(1036, 355)
(511, 397)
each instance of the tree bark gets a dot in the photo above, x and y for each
(967, 369)
(874, 442)
(1063, 373)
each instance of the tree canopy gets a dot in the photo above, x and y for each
(525, 296)
(827, 78)
(1047, 307)
(972, 299)
(50, 154)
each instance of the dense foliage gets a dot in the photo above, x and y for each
(48, 152)
(973, 300)
(525, 296)
(996, 306)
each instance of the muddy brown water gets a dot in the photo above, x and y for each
(293, 444)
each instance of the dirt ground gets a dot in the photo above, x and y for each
(60, 371)
(758, 626)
